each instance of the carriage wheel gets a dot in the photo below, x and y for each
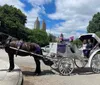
(80, 63)
(95, 63)
(66, 66)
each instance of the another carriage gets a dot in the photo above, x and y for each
(65, 58)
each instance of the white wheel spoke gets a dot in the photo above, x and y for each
(95, 63)
(66, 66)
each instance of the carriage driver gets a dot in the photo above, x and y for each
(61, 37)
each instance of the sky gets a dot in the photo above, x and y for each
(70, 17)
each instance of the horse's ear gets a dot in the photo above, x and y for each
(9, 37)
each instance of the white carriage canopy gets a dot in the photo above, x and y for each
(92, 36)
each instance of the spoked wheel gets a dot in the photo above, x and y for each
(80, 63)
(95, 63)
(66, 66)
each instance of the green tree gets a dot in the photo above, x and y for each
(13, 22)
(39, 36)
(94, 24)
(98, 33)
(52, 38)
(77, 42)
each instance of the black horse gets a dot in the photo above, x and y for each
(9, 42)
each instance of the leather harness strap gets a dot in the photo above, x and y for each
(19, 45)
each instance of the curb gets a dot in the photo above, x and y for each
(10, 78)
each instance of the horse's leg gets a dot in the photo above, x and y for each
(38, 68)
(11, 62)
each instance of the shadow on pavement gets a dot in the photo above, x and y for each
(77, 71)
(11, 71)
(45, 72)
(83, 71)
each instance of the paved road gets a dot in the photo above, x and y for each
(78, 77)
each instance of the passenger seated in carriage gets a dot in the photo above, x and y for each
(87, 47)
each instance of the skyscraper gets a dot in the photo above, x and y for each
(37, 24)
(43, 25)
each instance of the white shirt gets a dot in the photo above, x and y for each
(83, 47)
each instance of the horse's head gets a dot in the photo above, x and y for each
(4, 39)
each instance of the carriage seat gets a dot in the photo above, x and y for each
(66, 51)
(61, 48)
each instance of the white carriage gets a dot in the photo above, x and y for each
(65, 58)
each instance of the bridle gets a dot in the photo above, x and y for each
(6, 42)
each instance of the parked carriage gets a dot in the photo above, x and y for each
(65, 58)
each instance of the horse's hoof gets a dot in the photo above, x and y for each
(37, 74)
(9, 70)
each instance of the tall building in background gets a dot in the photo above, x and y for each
(37, 24)
(43, 26)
